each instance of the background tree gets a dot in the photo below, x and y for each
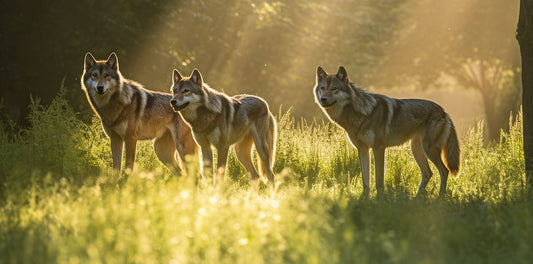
(442, 36)
(496, 85)
(525, 39)
(269, 48)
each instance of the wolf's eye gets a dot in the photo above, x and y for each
(186, 91)
(334, 88)
(94, 74)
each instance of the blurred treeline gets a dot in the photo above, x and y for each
(267, 48)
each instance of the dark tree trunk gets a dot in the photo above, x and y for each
(525, 40)
(491, 116)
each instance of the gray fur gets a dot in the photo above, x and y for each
(129, 113)
(375, 121)
(220, 121)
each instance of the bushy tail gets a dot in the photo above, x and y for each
(452, 153)
(274, 132)
(269, 134)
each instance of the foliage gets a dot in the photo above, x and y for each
(438, 36)
(60, 203)
(270, 48)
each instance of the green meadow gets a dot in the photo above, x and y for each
(60, 202)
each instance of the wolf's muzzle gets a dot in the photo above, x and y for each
(176, 107)
(324, 102)
(100, 89)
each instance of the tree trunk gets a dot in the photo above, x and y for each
(491, 116)
(525, 40)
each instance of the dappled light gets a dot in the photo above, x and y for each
(268, 48)
(69, 192)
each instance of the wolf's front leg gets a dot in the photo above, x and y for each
(379, 167)
(117, 145)
(222, 157)
(207, 161)
(364, 159)
(131, 146)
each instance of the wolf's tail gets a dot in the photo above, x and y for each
(269, 134)
(273, 132)
(451, 152)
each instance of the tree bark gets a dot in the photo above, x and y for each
(525, 40)
(491, 115)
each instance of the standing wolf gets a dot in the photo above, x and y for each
(220, 121)
(377, 121)
(129, 113)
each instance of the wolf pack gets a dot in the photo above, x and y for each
(195, 119)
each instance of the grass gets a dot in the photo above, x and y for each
(60, 203)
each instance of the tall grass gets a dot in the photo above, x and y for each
(60, 202)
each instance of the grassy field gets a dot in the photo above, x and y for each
(60, 203)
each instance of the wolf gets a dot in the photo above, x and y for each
(375, 121)
(221, 121)
(129, 112)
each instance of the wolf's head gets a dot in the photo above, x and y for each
(188, 91)
(99, 76)
(331, 89)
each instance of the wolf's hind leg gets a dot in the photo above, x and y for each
(166, 152)
(422, 162)
(434, 154)
(243, 149)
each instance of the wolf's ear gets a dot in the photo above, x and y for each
(176, 76)
(89, 60)
(112, 61)
(320, 74)
(196, 77)
(342, 75)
